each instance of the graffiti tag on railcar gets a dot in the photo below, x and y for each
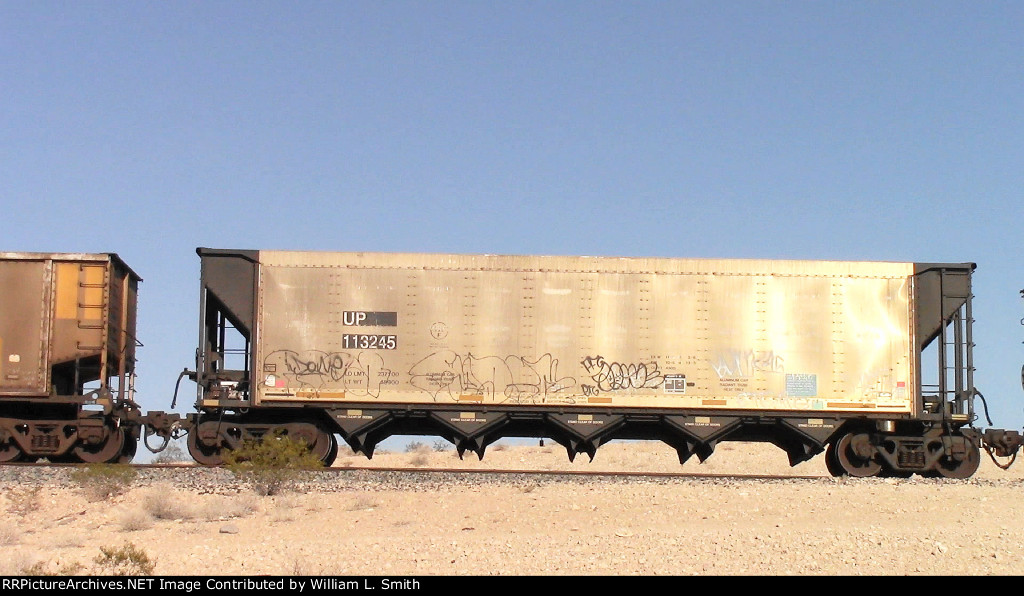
(362, 373)
(744, 363)
(445, 375)
(615, 376)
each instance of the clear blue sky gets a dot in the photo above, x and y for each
(806, 130)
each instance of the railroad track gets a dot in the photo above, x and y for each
(498, 472)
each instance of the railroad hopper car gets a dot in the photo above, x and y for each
(67, 357)
(869, 362)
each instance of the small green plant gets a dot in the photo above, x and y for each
(273, 464)
(102, 481)
(127, 560)
(414, 447)
(441, 446)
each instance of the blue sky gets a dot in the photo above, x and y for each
(798, 130)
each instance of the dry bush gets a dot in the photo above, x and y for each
(362, 504)
(301, 566)
(23, 500)
(127, 560)
(419, 460)
(288, 501)
(134, 520)
(68, 541)
(232, 507)
(51, 568)
(172, 454)
(421, 453)
(166, 503)
(282, 516)
(14, 562)
(285, 508)
(9, 535)
(103, 481)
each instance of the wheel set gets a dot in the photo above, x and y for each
(855, 454)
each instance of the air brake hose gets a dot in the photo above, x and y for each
(174, 400)
(984, 405)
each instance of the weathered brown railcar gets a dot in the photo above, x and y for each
(869, 362)
(67, 357)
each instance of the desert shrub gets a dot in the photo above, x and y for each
(414, 447)
(441, 445)
(101, 481)
(127, 560)
(362, 503)
(165, 503)
(9, 535)
(224, 507)
(273, 464)
(46, 568)
(23, 500)
(135, 520)
(419, 460)
(172, 454)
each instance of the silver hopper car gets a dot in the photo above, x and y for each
(869, 362)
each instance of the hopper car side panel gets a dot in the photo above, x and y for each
(24, 327)
(726, 339)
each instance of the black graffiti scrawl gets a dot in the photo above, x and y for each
(615, 376)
(360, 373)
(446, 375)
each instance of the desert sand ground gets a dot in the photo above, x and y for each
(428, 524)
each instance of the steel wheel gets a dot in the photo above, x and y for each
(852, 455)
(325, 448)
(948, 467)
(832, 462)
(332, 454)
(321, 442)
(9, 451)
(106, 452)
(207, 456)
(131, 446)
